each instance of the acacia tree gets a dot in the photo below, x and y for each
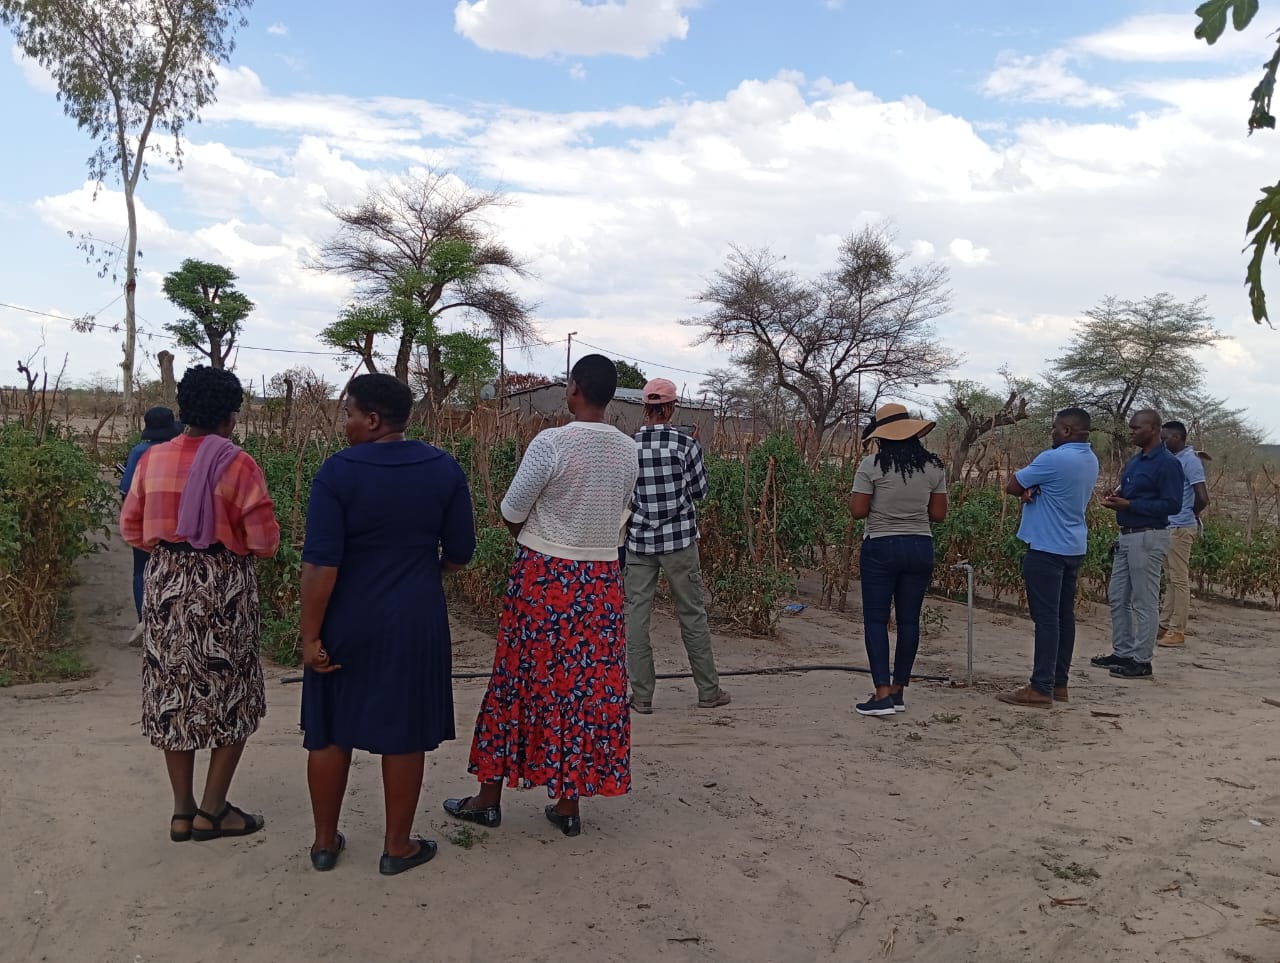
(125, 70)
(422, 248)
(1127, 355)
(629, 375)
(981, 413)
(207, 293)
(865, 324)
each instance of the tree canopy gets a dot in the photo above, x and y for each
(214, 309)
(629, 375)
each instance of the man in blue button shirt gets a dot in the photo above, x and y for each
(1150, 491)
(1055, 490)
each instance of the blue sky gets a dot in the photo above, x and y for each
(1048, 154)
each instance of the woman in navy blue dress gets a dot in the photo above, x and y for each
(387, 516)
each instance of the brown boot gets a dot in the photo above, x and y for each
(1028, 697)
(1061, 693)
(1160, 632)
(1172, 639)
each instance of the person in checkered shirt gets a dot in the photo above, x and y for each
(662, 536)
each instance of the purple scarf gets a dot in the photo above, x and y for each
(195, 507)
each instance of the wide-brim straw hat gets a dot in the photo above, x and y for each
(894, 423)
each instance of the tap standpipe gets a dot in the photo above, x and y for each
(968, 571)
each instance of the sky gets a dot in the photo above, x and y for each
(1049, 155)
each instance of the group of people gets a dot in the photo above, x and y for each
(596, 515)
(387, 518)
(1158, 502)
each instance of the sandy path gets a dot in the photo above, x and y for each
(782, 828)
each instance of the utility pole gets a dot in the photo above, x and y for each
(568, 358)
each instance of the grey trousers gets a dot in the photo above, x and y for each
(1134, 593)
(684, 574)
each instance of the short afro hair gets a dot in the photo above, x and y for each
(1077, 416)
(1177, 428)
(597, 376)
(207, 397)
(383, 395)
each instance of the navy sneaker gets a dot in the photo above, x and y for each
(1109, 661)
(1132, 670)
(898, 704)
(876, 707)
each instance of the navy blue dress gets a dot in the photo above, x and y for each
(385, 514)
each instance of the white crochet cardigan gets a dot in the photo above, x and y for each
(573, 491)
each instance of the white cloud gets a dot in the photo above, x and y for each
(32, 72)
(578, 72)
(1045, 79)
(1166, 38)
(965, 252)
(625, 212)
(278, 30)
(540, 28)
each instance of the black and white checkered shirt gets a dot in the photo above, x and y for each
(672, 477)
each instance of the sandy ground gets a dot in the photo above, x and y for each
(1140, 823)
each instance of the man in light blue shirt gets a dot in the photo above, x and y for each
(1055, 490)
(1183, 529)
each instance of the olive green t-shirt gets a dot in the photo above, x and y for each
(898, 507)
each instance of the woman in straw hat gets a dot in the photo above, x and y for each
(900, 489)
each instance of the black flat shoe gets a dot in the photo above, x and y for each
(569, 825)
(325, 859)
(251, 825)
(489, 816)
(391, 865)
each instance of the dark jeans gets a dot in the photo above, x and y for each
(1051, 595)
(896, 569)
(139, 566)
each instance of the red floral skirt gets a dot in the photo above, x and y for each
(555, 713)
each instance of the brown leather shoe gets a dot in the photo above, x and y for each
(1172, 639)
(1061, 693)
(1028, 697)
(1161, 632)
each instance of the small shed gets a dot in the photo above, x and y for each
(626, 410)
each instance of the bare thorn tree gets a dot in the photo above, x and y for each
(861, 329)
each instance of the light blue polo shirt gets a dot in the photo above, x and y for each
(1192, 475)
(1054, 520)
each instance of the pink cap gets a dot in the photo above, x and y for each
(659, 391)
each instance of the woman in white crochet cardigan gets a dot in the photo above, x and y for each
(555, 713)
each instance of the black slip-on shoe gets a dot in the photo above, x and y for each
(390, 865)
(490, 816)
(876, 707)
(569, 825)
(324, 860)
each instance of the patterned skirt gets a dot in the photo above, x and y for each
(555, 713)
(201, 676)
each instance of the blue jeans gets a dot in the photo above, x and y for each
(139, 566)
(1051, 595)
(1134, 592)
(896, 569)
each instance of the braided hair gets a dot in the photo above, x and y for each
(905, 457)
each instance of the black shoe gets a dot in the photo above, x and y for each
(390, 865)
(325, 859)
(1109, 661)
(876, 707)
(899, 704)
(1132, 670)
(490, 816)
(569, 825)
